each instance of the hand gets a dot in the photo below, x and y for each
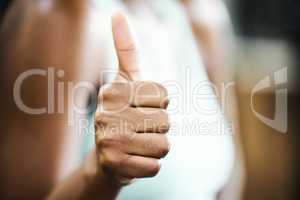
(131, 119)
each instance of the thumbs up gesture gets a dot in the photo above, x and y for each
(131, 118)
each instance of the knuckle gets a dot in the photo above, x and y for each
(103, 90)
(164, 128)
(107, 140)
(154, 87)
(163, 93)
(103, 142)
(152, 90)
(107, 119)
(111, 91)
(106, 92)
(128, 137)
(101, 119)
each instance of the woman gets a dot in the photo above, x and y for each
(77, 38)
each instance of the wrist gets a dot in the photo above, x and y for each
(94, 174)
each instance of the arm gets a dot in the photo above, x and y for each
(87, 182)
(212, 28)
(32, 37)
(30, 144)
(39, 36)
(130, 124)
(211, 24)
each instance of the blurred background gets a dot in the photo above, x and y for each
(265, 47)
(267, 39)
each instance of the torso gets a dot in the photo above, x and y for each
(199, 162)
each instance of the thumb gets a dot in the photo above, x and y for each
(126, 47)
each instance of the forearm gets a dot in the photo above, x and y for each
(87, 182)
(30, 148)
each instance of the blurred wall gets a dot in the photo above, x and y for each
(268, 40)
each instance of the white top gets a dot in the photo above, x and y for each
(201, 155)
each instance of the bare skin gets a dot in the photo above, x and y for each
(218, 51)
(124, 152)
(24, 45)
(30, 149)
(96, 177)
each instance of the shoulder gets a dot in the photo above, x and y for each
(208, 12)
